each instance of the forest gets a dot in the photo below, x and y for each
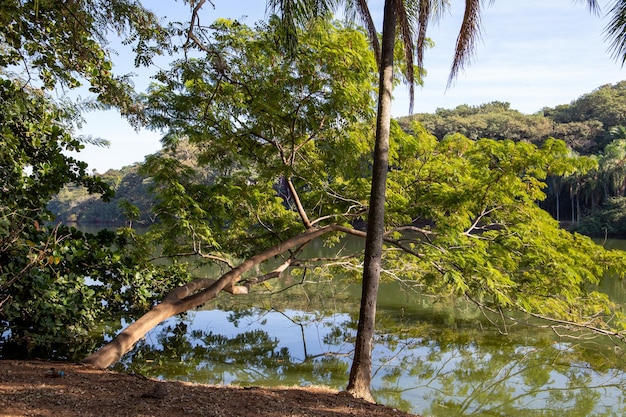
(276, 136)
(591, 203)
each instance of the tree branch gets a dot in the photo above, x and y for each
(299, 207)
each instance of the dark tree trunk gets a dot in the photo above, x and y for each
(361, 371)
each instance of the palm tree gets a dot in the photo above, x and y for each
(612, 169)
(408, 17)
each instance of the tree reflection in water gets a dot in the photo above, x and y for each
(481, 378)
(440, 371)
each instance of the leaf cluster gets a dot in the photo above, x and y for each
(49, 43)
(278, 132)
(482, 235)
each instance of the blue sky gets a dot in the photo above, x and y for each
(532, 54)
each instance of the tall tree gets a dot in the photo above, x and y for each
(361, 370)
(408, 18)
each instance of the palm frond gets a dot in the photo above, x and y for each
(291, 15)
(615, 31)
(359, 8)
(466, 41)
(297, 13)
(424, 16)
(593, 6)
(405, 23)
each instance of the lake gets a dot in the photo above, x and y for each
(433, 358)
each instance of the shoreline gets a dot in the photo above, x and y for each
(41, 388)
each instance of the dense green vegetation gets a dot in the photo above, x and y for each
(587, 124)
(45, 301)
(265, 151)
(591, 125)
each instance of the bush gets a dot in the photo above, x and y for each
(609, 221)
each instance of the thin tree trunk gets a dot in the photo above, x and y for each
(577, 204)
(361, 371)
(572, 203)
(192, 295)
(557, 193)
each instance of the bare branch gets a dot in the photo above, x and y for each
(195, 21)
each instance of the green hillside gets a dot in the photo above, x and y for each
(594, 124)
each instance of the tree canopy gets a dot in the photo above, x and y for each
(461, 215)
(45, 300)
(585, 124)
(64, 44)
(278, 149)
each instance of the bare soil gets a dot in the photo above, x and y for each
(32, 388)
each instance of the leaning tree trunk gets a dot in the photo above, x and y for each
(192, 295)
(361, 371)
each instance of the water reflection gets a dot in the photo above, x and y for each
(443, 370)
(479, 378)
(250, 347)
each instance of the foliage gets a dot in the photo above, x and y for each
(263, 121)
(486, 238)
(599, 189)
(610, 220)
(591, 125)
(51, 43)
(45, 300)
(586, 125)
(496, 120)
(34, 136)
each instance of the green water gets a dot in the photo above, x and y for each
(431, 358)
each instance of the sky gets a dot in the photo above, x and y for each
(532, 54)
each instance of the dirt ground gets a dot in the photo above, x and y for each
(31, 388)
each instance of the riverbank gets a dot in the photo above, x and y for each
(38, 388)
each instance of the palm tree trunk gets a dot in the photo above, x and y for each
(361, 371)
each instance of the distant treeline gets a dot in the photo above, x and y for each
(75, 205)
(592, 125)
